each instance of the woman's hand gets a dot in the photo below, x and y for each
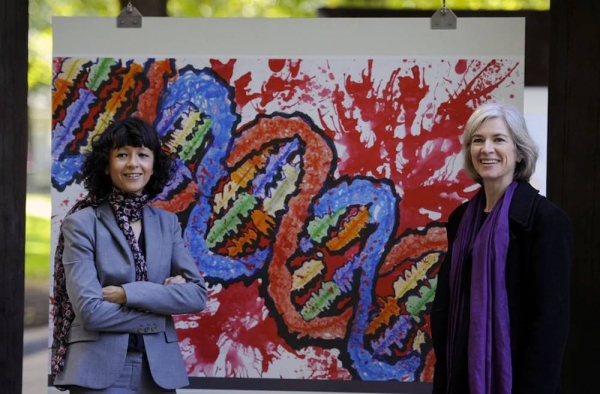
(174, 279)
(114, 294)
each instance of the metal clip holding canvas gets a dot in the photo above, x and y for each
(444, 19)
(129, 17)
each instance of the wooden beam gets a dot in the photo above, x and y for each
(573, 179)
(13, 160)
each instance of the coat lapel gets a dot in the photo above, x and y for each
(107, 217)
(524, 204)
(152, 238)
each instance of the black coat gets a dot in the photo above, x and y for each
(537, 284)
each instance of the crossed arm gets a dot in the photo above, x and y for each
(117, 295)
(124, 308)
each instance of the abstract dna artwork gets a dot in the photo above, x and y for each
(312, 193)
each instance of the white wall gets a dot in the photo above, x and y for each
(535, 110)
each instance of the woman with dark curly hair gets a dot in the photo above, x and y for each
(121, 270)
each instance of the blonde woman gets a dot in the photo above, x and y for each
(501, 313)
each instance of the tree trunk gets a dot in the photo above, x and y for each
(574, 174)
(13, 175)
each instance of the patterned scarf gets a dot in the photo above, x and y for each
(127, 208)
(489, 356)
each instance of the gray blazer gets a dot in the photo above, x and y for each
(96, 254)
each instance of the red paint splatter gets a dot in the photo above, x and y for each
(276, 65)
(324, 365)
(237, 304)
(461, 66)
(242, 92)
(280, 87)
(224, 70)
(294, 66)
(394, 106)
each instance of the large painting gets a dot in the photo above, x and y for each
(312, 193)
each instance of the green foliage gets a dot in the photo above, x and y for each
(37, 237)
(435, 4)
(244, 8)
(40, 32)
(308, 8)
(41, 11)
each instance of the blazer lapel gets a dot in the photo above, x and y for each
(107, 217)
(153, 238)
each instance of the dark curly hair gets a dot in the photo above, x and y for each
(127, 132)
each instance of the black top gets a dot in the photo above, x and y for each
(136, 341)
(537, 285)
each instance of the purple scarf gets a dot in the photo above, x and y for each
(127, 208)
(489, 355)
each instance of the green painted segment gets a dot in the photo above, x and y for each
(417, 304)
(198, 135)
(99, 73)
(319, 227)
(231, 221)
(321, 300)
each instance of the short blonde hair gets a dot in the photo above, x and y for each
(527, 149)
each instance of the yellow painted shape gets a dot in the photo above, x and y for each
(307, 272)
(70, 69)
(239, 179)
(419, 340)
(415, 274)
(178, 137)
(222, 198)
(283, 188)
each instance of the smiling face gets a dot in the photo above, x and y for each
(494, 153)
(130, 168)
